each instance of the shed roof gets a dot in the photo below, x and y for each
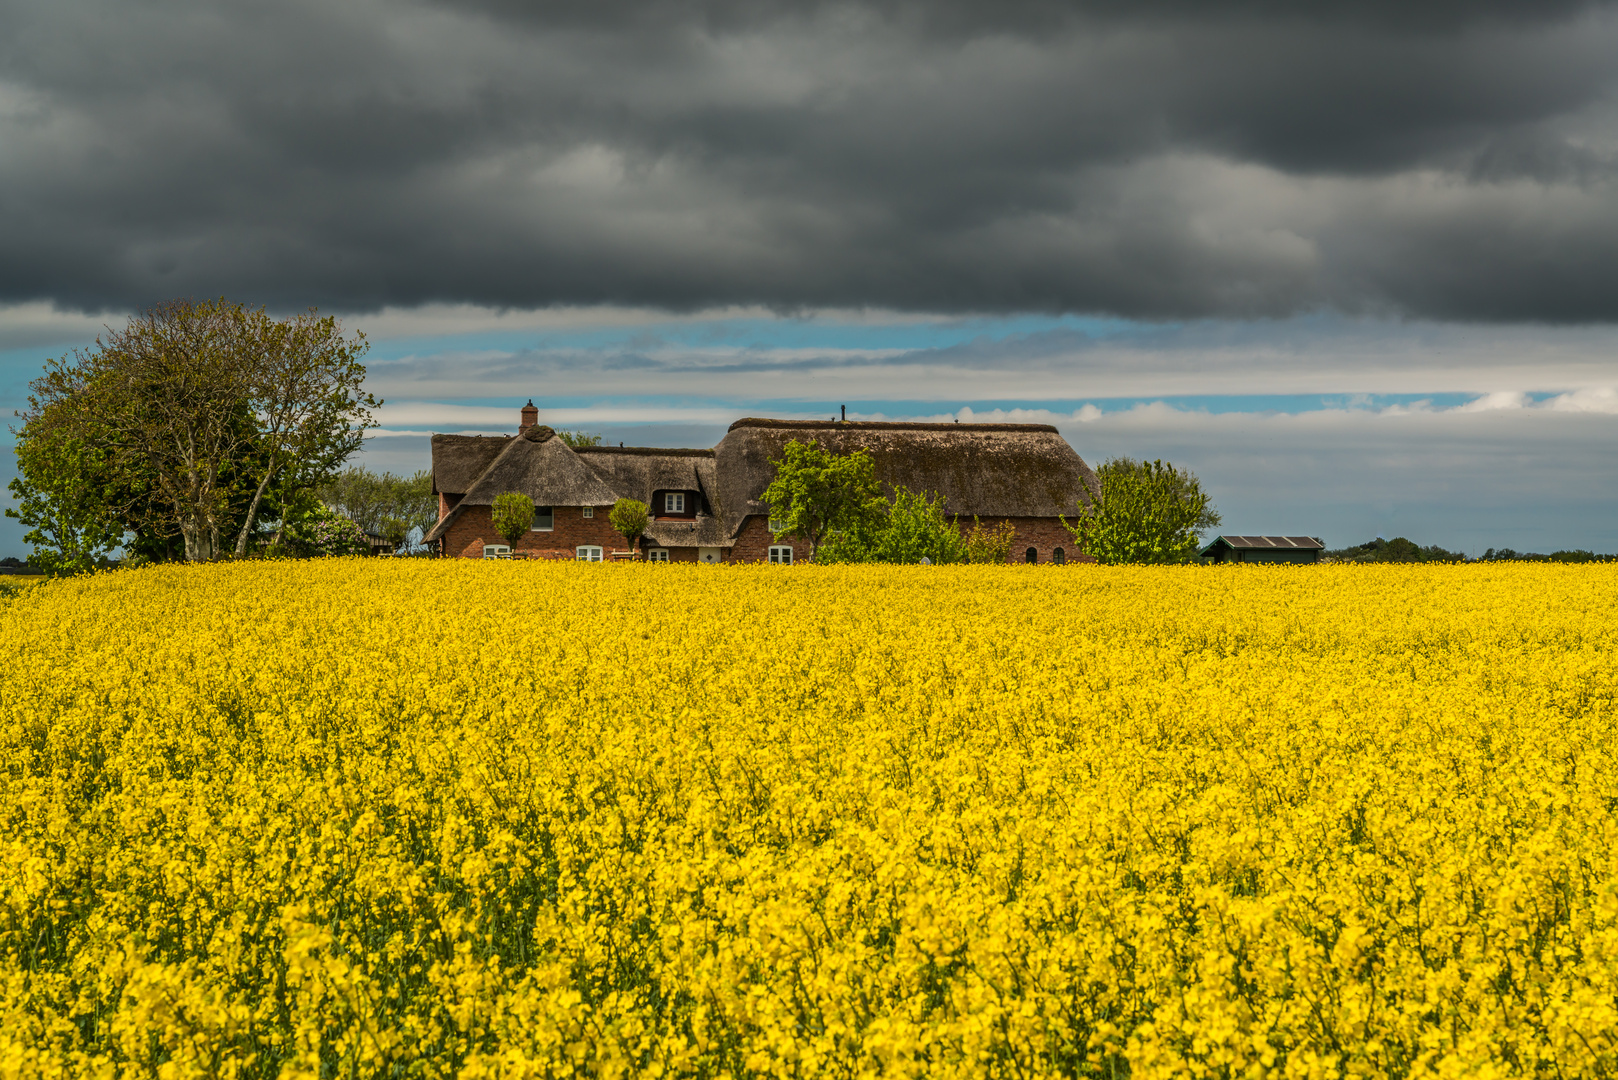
(993, 470)
(1261, 543)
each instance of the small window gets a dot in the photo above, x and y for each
(1031, 555)
(496, 551)
(658, 555)
(781, 553)
(588, 553)
(1059, 557)
(777, 526)
(544, 519)
(674, 502)
(587, 511)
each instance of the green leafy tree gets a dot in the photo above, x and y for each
(303, 381)
(201, 410)
(629, 517)
(579, 438)
(394, 530)
(911, 527)
(379, 502)
(513, 516)
(989, 543)
(1147, 512)
(815, 493)
(417, 504)
(60, 490)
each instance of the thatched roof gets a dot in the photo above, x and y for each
(705, 531)
(458, 460)
(634, 472)
(539, 465)
(992, 470)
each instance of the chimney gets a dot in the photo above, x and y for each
(845, 414)
(530, 416)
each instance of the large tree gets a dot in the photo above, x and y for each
(816, 492)
(303, 381)
(198, 409)
(1147, 512)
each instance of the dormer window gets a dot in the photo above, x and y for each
(674, 502)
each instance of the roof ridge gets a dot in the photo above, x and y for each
(880, 425)
(669, 450)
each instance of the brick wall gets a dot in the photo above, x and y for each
(475, 527)
(753, 542)
(1044, 535)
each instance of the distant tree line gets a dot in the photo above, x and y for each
(1403, 550)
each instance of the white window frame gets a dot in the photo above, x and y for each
(657, 554)
(587, 511)
(776, 525)
(673, 502)
(588, 553)
(497, 551)
(537, 527)
(781, 554)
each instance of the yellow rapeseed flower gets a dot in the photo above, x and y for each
(482, 819)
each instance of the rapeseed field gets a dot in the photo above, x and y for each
(403, 818)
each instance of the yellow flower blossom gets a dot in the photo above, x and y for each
(462, 819)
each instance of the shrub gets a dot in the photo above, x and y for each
(513, 516)
(325, 532)
(629, 517)
(910, 528)
(989, 545)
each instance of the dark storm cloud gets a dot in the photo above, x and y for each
(1144, 159)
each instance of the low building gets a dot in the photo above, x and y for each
(706, 505)
(1264, 549)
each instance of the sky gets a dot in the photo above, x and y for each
(1356, 266)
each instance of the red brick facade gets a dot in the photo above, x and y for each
(1044, 535)
(475, 528)
(753, 542)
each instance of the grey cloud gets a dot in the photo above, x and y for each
(1148, 160)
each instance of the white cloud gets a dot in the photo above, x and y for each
(1600, 399)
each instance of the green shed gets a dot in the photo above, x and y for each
(1264, 549)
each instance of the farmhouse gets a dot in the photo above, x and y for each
(705, 505)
